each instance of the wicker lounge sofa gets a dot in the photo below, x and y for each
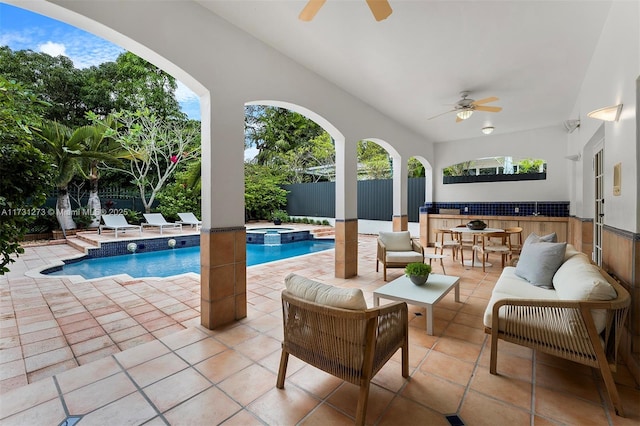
(331, 329)
(579, 318)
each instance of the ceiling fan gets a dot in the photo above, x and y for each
(380, 9)
(465, 107)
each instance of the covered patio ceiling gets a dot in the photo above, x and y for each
(532, 55)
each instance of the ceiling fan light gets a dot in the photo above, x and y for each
(464, 114)
(487, 130)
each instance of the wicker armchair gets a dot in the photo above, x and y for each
(564, 328)
(397, 250)
(352, 345)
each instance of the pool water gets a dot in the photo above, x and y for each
(165, 263)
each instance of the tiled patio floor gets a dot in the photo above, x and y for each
(131, 351)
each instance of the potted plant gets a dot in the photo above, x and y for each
(418, 272)
(279, 216)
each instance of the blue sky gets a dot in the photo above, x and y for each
(21, 29)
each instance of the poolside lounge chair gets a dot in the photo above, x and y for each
(116, 222)
(157, 220)
(190, 219)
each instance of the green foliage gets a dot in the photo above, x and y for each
(417, 269)
(134, 217)
(375, 161)
(460, 169)
(416, 169)
(280, 215)
(530, 165)
(177, 198)
(128, 83)
(26, 171)
(325, 222)
(275, 131)
(82, 218)
(262, 191)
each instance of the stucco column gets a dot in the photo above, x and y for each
(400, 198)
(346, 263)
(223, 282)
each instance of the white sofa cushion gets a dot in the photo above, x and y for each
(539, 262)
(396, 241)
(579, 279)
(313, 291)
(510, 286)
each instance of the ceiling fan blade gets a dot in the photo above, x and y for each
(488, 108)
(485, 100)
(436, 116)
(381, 9)
(458, 119)
(310, 10)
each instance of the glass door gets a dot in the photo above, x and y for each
(598, 220)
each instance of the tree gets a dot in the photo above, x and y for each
(141, 85)
(275, 131)
(97, 141)
(66, 149)
(375, 161)
(26, 171)
(52, 79)
(262, 191)
(312, 161)
(153, 149)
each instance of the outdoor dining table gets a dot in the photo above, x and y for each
(476, 233)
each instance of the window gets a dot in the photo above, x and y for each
(495, 169)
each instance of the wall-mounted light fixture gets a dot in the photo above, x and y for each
(464, 114)
(487, 130)
(610, 113)
(571, 125)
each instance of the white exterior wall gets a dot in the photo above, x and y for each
(548, 143)
(610, 80)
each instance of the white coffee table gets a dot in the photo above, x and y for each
(427, 295)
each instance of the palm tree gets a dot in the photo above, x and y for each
(66, 148)
(98, 141)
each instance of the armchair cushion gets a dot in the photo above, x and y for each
(396, 241)
(404, 257)
(313, 291)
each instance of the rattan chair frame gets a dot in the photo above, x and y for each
(381, 257)
(542, 325)
(352, 345)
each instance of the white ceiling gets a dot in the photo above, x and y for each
(533, 55)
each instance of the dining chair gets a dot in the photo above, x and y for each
(493, 242)
(515, 238)
(467, 241)
(446, 238)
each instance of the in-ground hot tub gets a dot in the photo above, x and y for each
(272, 236)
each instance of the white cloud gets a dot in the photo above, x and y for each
(184, 94)
(53, 49)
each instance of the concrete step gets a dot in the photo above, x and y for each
(80, 243)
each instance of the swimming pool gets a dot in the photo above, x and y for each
(165, 263)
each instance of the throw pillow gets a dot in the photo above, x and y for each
(313, 291)
(535, 238)
(539, 262)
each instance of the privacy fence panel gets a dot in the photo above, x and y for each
(375, 199)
